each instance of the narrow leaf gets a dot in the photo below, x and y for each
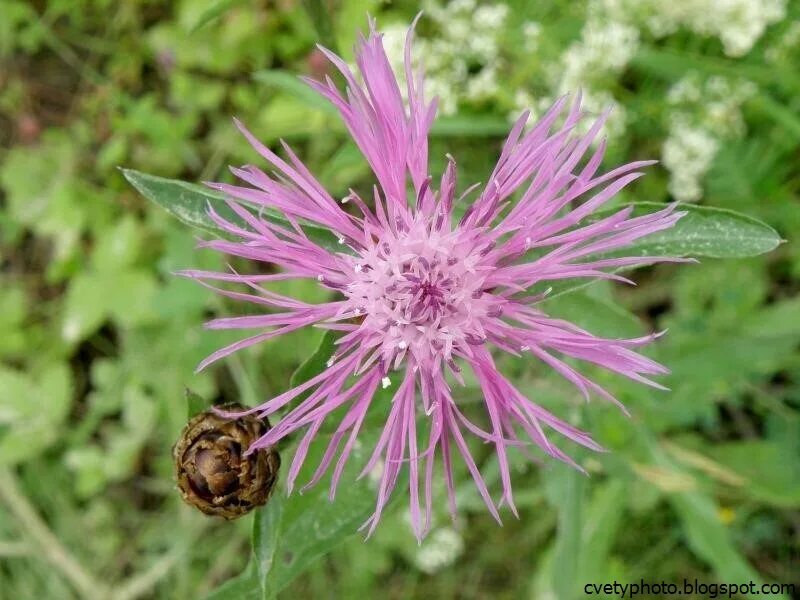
(244, 586)
(567, 546)
(213, 12)
(673, 64)
(705, 534)
(291, 533)
(317, 362)
(195, 404)
(321, 18)
(309, 524)
(704, 231)
(296, 88)
(189, 202)
(266, 539)
(600, 528)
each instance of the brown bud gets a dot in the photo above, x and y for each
(213, 473)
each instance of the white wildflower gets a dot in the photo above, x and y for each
(688, 153)
(439, 550)
(531, 31)
(463, 61)
(738, 24)
(604, 49)
(704, 113)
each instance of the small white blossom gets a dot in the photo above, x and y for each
(532, 31)
(441, 549)
(703, 114)
(463, 61)
(688, 153)
(738, 24)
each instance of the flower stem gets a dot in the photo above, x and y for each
(48, 544)
(568, 541)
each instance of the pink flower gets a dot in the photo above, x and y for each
(421, 295)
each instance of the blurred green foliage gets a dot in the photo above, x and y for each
(98, 340)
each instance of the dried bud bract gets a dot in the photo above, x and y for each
(213, 473)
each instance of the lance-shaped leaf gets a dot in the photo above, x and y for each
(195, 404)
(189, 202)
(292, 532)
(703, 232)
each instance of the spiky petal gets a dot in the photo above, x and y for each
(420, 294)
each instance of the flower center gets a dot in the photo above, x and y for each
(422, 291)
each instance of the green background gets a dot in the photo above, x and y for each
(98, 339)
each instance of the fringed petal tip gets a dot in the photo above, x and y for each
(549, 167)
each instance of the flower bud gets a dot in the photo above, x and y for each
(213, 473)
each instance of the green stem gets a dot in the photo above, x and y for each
(15, 549)
(321, 18)
(48, 544)
(141, 584)
(568, 543)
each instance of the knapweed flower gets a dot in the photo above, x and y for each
(421, 294)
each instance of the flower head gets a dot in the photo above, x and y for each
(422, 294)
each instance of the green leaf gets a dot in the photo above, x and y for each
(93, 297)
(672, 65)
(296, 88)
(195, 404)
(128, 296)
(244, 586)
(783, 116)
(314, 365)
(317, 362)
(213, 12)
(290, 533)
(771, 471)
(189, 203)
(33, 407)
(83, 312)
(308, 524)
(709, 539)
(704, 231)
(118, 246)
(14, 306)
(321, 18)
(705, 533)
(266, 538)
(598, 315)
(778, 319)
(570, 485)
(600, 527)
